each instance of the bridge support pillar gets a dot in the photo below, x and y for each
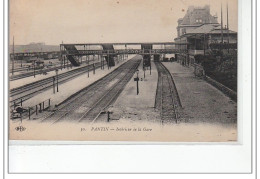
(88, 65)
(188, 60)
(108, 60)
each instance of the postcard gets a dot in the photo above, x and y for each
(120, 70)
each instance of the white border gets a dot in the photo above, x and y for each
(149, 158)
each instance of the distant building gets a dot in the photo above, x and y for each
(37, 43)
(202, 31)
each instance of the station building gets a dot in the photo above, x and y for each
(203, 32)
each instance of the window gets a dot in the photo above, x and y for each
(183, 31)
(199, 20)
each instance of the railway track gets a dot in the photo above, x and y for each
(167, 98)
(25, 69)
(88, 104)
(18, 69)
(29, 90)
(31, 73)
(37, 72)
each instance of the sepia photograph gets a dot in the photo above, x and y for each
(121, 70)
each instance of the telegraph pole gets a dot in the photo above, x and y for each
(88, 66)
(221, 32)
(227, 28)
(13, 58)
(88, 62)
(221, 26)
(61, 61)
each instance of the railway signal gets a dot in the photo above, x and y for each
(108, 115)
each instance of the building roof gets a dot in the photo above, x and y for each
(225, 31)
(208, 29)
(198, 15)
(205, 28)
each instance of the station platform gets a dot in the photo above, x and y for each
(23, 81)
(130, 107)
(201, 101)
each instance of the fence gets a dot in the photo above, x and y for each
(23, 112)
(227, 91)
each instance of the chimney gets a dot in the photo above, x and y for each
(190, 9)
(207, 7)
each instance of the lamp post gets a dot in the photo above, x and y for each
(88, 66)
(53, 84)
(137, 79)
(57, 77)
(22, 61)
(94, 64)
(61, 62)
(101, 61)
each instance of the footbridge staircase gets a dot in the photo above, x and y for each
(72, 55)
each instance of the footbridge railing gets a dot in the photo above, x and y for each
(128, 51)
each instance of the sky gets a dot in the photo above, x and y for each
(97, 21)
